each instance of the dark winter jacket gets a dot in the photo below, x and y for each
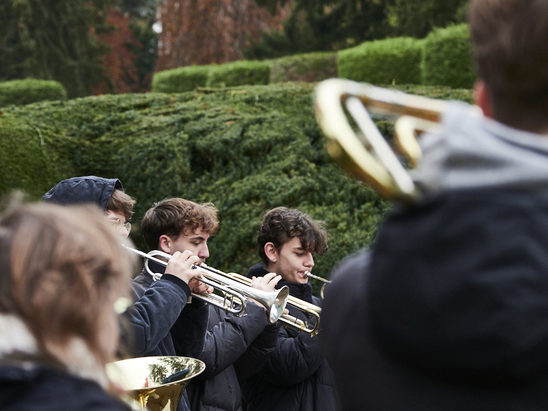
(47, 389)
(296, 375)
(86, 189)
(30, 380)
(161, 321)
(448, 309)
(158, 325)
(235, 347)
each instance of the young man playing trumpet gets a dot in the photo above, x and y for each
(296, 375)
(231, 343)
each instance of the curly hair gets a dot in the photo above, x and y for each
(281, 224)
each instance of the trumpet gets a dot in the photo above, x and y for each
(290, 321)
(317, 277)
(234, 293)
(364, 152)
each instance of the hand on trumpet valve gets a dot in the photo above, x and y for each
(181, 265)
(266, 283)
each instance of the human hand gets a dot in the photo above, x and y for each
(181, 265)
(198, 287)
(267, 282)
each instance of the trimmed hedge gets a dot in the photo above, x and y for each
(246, 149)
(447, 58)
(239, 73)
(180, 79)
(27, 91)
(304, 67)
(388, 61)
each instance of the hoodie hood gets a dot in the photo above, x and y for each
(471, 151)
(87, 189)
(459, 282)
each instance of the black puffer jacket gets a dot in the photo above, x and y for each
(235, 347)
(296, 375)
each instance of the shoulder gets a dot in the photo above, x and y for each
(48, 389)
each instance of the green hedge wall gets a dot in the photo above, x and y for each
(239, 73)
(246, 149)
(27, 91)
(447, 58)
(304, 67)
(389, 61)
(180, 79)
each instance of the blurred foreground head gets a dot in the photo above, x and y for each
(63, 270)
(509, 43)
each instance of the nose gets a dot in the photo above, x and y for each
(203, 252)
(309, 261)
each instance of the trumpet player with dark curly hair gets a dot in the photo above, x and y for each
(296, 375)
(448, 308)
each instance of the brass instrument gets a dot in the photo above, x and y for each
(155, 383)
(365, 153)
(234, 291)
(291, 321)
(325, 281)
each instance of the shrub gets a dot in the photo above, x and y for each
(239, 73)
(389, 61)
(304, 67)
(180, 79)
(246, 149)
(447, 58)
(27, 91)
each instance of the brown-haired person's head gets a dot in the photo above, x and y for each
(287, 240)
(63, 272)
(176, 224)
(509, 43)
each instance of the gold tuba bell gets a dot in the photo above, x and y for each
(155, 383)
(343, 110)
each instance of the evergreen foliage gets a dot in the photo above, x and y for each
(239, 73)
(447, 58)
(180, 79)
(304, 67)
(29, 91)
(389, 61)
(54, 40)
(246, 149)
(417, 18)
(321, 26)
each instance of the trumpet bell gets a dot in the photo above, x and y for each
(155, 383)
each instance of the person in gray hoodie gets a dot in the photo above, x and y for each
(447, 309)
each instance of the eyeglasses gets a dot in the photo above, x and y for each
(119, 223)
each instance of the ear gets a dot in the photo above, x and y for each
(164, 244)
(271, 252)
(482, 99)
